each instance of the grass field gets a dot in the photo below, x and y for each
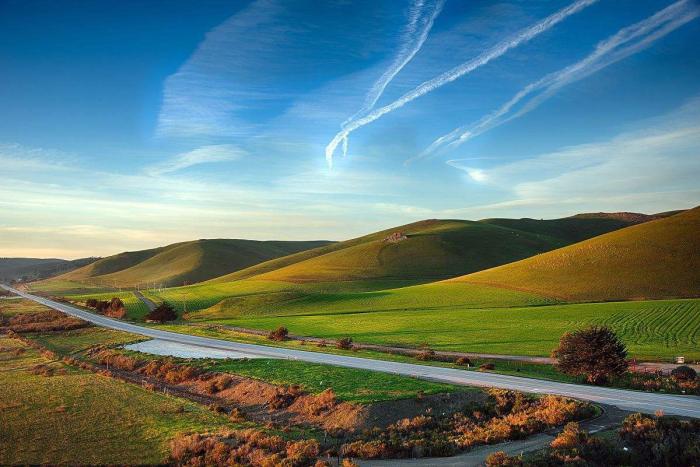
(201, 296)
(14, 307)
(68, 287)
(653, 330)
(446, 316)
(83, 418)
(349, 384)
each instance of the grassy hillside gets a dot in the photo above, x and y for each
(12, 269)
(180, 263)
(432, 250)
(653, 260)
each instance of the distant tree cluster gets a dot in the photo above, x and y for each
(162, 313)
(114, 308)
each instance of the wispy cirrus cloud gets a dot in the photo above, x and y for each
(457, 72)
(254, 65)
(17, 157)
(625, 42)
(653, 167)
(421, 18)
(202, 155)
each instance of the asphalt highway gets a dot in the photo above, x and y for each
(645, 402)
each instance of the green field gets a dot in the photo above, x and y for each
(653, 330)
(83, 418)
(253, 297)
(446, 316)
(69, 287)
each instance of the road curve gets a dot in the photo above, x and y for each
(645, 402)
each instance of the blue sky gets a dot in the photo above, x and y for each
(126, 125)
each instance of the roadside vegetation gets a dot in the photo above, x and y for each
(654, 441)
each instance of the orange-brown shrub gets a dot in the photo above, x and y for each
(285, 396)
(43, 321)
(501, 459)
(279, 334)
(303, 452)
(425, 355)
(506, 416)
(463, 361)
(315, 405)
(117, 360)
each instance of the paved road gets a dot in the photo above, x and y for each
(627, 400)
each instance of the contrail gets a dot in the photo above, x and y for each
(455, 73)
(607, 52)
(410, 45)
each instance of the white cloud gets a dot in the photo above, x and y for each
(627, 41)
(457, 72)
(658, 165)
(202, 155)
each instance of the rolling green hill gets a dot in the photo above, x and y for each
(429, 250)
(181, 263)
(12, 269)
(653, 260)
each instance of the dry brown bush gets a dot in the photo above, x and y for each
(463, 361)
(507, 415)
(43, 321)
(279, 334)
(345, 343)
(117, 360)
(303, 452)
(501, 459)
(426, 355)
(315, 405)
(45, 370)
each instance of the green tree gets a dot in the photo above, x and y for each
(596, 353)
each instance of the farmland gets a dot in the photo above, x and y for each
(654, 330)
